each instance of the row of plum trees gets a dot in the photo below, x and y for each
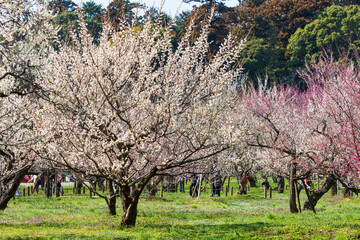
(130, 108)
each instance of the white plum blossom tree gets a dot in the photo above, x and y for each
(131, 107)
(25, 42)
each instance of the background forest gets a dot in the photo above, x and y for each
(281, 34)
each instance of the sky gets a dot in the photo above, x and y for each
(170, 6)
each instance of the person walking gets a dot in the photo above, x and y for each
(266, 183)
(35, 180)
(181, 184)
(58, 182)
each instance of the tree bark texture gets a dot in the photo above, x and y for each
(292, 190)
(334, 190)
(48, 184)
(9, 185)
(281, 184)
(129, 204)
(111, 199)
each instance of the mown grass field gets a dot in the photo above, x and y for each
(177, 216)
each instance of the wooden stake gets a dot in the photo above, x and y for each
(265, 192)
(200, 183)
(297, 195)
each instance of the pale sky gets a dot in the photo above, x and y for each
(169, 7)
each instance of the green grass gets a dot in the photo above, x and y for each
(177, 216)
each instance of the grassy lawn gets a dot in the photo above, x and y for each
(177, 216)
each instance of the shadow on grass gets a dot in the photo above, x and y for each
(169, 231)
(67, 236)
(208, 231)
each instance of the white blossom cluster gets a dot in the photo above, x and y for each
(132, 106)
(25, 38)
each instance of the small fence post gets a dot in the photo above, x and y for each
(83, 190)
(232, 191)
(270, 193)
(265, 192)
(24, 192)
(28, 191)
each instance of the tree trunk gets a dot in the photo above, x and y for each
(129, 204)
(48, 184)
(111, 199)
(274, 178)
(252, 181)
(292, 190)
(152, 187)
(281, 184)
(334, 190)
(9, 185)
(316, 195)
(78, 187)
(242, 189)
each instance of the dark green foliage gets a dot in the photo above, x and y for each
(264, 60)
(69, 20)
(59, 6)
(179, 26)
(336, 27)
(92, 9)
(273, 22)
(119, 10)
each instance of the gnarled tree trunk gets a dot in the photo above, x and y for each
(315, 196)
(9, 185)
(111, 199)
(242, 185)
(129, 204)
(292, 190)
